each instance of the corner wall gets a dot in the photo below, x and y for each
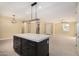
(7, 29)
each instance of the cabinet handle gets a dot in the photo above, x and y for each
(32, 45)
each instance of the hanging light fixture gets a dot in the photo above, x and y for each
(36, 18)
(13, 19)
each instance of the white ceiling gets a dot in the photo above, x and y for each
(48, 10)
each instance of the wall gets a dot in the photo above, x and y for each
(56, 29)
(49, 11)
(33, 27)
(25, 27)
(42, 27)
(59, 29)
(7, 29)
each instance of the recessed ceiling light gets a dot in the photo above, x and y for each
(40, 7)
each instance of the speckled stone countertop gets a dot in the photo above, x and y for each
(33, 37)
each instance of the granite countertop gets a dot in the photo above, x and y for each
(33, 37)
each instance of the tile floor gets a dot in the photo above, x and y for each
(58, 46)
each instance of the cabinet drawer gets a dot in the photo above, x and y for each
(28, 42)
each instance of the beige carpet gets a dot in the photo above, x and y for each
(58, 46)
(63, 46)
(6, 48)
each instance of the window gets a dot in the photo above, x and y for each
(66, 27)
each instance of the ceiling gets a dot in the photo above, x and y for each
(48, 11)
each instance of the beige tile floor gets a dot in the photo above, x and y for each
(58, 46)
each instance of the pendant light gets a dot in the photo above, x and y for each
(13, 19)
(35, 4)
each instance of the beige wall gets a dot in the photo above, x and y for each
(7, 29)
(25, 27)
(72, 30)
(42, 27)
(33, 27)
(56, 28)
(59, 29)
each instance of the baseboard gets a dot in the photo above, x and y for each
(5, 38)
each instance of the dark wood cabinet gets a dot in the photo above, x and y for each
(17, 45)
(26, 47)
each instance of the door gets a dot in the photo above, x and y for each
(48, 28)
(77, 36)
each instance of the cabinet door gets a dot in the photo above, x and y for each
(17, 45)
(31, 51)
(43, 48)
(24, 47)
(27, 48)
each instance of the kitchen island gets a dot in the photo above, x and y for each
(29, 44)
